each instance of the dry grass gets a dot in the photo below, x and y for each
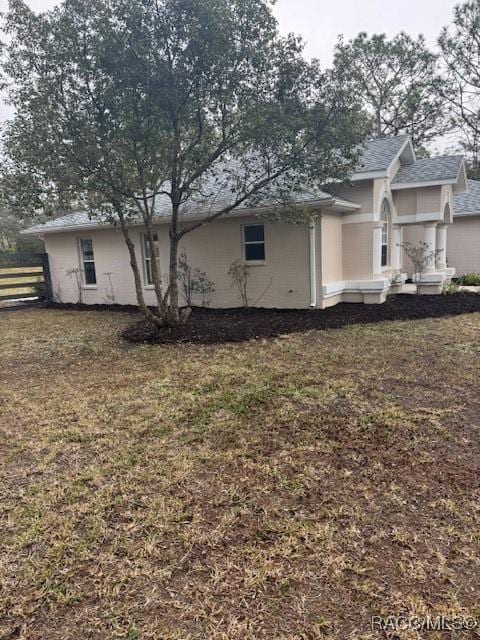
(284, 489)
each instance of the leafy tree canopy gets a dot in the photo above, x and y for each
(397, 82)
(121, 103)
(460, 46)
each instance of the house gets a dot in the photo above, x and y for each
(463, 245)
(349, 252)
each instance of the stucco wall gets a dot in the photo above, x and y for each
(282, 281)
(357, 251)
(332, 250)
(111, 257)
(429, 200)
(414, 234)
(360, 192)
(463, 245)
(421, 200)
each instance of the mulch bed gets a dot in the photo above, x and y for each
(213, 326)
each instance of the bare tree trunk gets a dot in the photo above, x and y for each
(136, 275)
(378, 121)
(175, 315)
(156, 276)
(174, 311)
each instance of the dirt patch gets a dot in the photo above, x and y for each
(212, 326)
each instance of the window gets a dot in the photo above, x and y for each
(148, 257)
(87, 261)
(385, 233)
(254, 242)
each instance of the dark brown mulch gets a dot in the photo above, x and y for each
(211, 326)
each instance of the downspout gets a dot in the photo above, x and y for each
(313, 263)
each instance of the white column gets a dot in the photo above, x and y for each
(396, 248)
(313, 263)
(442, 246)
(430, 238)
(377, 247)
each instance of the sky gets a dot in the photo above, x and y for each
(320, 23)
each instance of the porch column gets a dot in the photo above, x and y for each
(396, 261)
(312, 234)
(377, 247)
(430, 239)
(442, 246)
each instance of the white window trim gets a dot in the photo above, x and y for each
(254, 263)
(148, 286)
(386, 224)
(84, 285)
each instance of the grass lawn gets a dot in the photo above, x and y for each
(276, 489)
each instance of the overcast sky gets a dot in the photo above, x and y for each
(320, 22)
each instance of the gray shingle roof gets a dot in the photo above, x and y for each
(197, 207)
(429, 170)
(78, 219)
(379, 154)
(468, 203)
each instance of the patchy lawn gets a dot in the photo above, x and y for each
(275, 489)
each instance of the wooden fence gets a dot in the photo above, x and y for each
(24, 275)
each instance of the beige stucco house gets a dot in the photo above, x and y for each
(463, 245)
(349, 252)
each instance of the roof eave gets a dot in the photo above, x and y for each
(465, 214)
(335, 204)
(425, 183)
(368, 175)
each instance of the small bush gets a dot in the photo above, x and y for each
(194, 281)
(450, 288)
(469, 280)
(239, 272)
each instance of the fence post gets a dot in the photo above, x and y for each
(47, 277)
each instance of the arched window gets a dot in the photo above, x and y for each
(385, 218)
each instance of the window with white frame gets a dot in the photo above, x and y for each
(147, 257)
(385, 217)
(254, 242)
(87, 261)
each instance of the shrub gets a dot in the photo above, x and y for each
(450, 288)
(239, 272)
(194, 281)
(469, 280)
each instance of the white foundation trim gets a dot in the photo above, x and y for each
(435, 277)
(355, 286)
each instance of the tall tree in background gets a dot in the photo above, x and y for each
(397, 81)
(121, 104)
(460, 48)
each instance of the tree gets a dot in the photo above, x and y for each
(398, 83)
(9, 231)
(125, 104)
(470, 147)
(421, 256)
(461, 58)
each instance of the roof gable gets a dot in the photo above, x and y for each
(445, 169)
(380, 154)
